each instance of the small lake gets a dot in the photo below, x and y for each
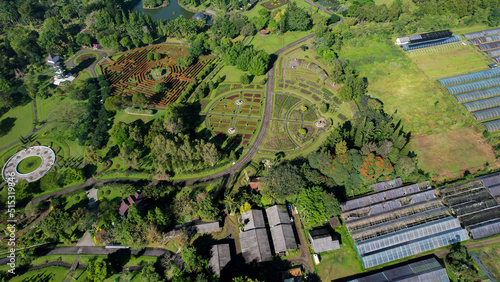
(171, 12)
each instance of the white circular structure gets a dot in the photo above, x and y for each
(45, 153)
(231, 131)
(239, 102)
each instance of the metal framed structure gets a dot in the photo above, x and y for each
(469, 77)
(413, 46)
(478, 94)
(476, 85)
(482, 40)
(481, 33)
(492, 125)
(487, 114)
(482, 104)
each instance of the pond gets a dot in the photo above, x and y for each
(171, 12)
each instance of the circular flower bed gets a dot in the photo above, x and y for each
(29, 164)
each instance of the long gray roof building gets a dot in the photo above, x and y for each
(255, 245)
(221, 256)
(277, 215)
(253, 219)
(283, 238)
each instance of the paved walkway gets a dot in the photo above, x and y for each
(91, 68)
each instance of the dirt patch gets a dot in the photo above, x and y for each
(449, 155)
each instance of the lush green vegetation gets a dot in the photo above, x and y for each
(29, 164)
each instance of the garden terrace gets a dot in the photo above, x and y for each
(130, 73)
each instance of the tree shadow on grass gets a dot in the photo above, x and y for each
(6, 125)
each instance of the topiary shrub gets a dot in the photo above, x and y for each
(117, 166)
(302, 131)
(303, 108)
(107, 192)
(77, 198)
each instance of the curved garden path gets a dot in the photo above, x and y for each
(91, 68)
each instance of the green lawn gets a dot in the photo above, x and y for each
(340, 263)
(15, 123)
(84, 74)
(490, 256)
(271, 43)
(29, 164)
(54, 273)
(128, 118)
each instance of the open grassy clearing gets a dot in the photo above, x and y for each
(44, 106)
(53, 273)
(490, 256)
(84, 74)
(122, 116)
(271, 43)
(16, 122)
(420, 103)
(448, 154)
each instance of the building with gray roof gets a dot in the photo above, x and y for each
(221, 256)
(322, 240)
(277, 215)
(203, 227)
(253, 219)
(255, 245)
(424, 270)
(283, 238)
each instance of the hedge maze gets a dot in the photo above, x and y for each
(131, 73)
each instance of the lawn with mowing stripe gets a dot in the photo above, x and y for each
(15, 123)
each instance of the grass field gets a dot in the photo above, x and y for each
(490, 256)
(84, 74)
(460, 59)
(424, 108)
(271, 43)
(451, 153)
(16, 122)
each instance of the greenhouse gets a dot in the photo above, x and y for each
(497, 59)
(386, 185)
(493, 53)
(388, 218)
(482, 104)
(489, 46)
(487, 114)
(478, 94)
(384, 196)
(485, 229)
(493, 125)
(400, 224)
(481, 216)
(389, 205)
(476, 85)
(482, 33)
(430, 43)
(482, 40)
(469, 77)
(410, 241)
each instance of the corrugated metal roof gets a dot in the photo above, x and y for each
(283, 238)
(220, 257)
(277, 214)
(253, 219)
(255, 246)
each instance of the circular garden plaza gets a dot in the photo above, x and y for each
(29, 164)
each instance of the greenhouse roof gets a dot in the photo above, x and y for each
(493, 53)
(411, 247)
(384, 196)
(486, 39)
(424, 270)
(386, 185)
(492, 125)
(478, 94)
(482, 104)
(469, 77)
(481, 33)
(386, 206)
(489, 46)
(485, 229)
(430, 43)
(476, 85)
(487, 114)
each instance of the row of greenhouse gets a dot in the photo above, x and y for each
(398, 222)
(425, 40)
(487, 41)
(479, 93)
